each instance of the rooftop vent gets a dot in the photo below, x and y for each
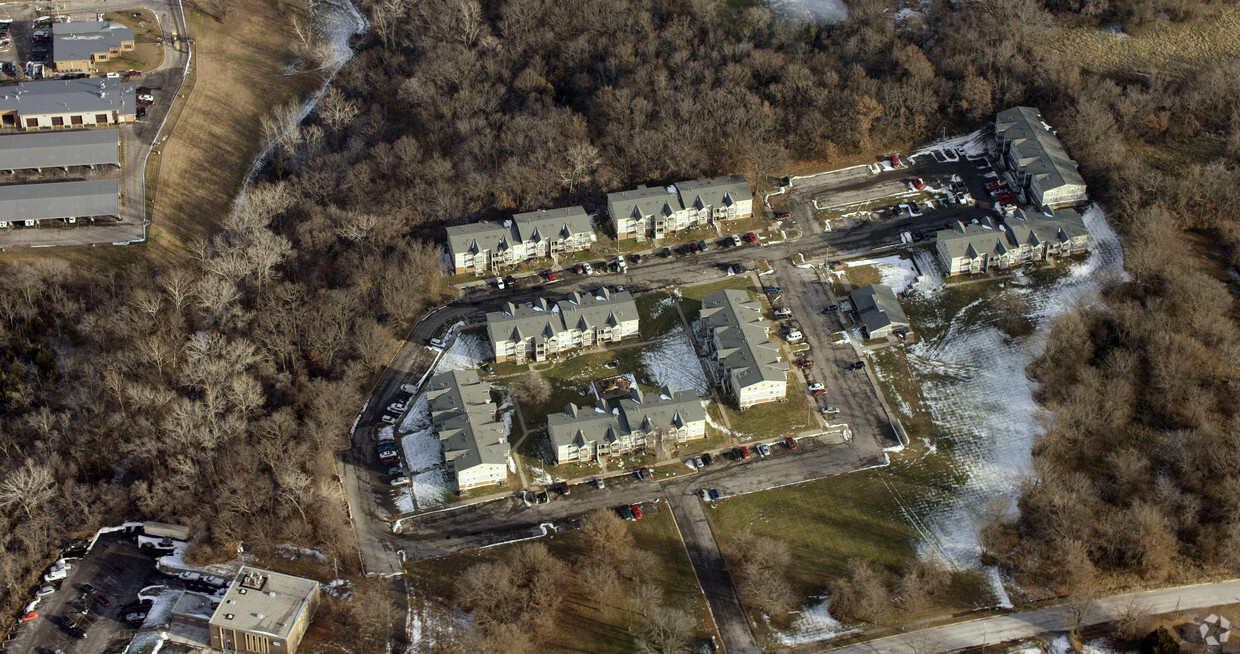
(228, 616)
(253, 580)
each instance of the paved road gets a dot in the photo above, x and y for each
(137, 138)
(1026, 624)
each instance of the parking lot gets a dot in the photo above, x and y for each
(85, 614)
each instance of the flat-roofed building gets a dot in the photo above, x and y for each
(484, 246)
(746, 361)
(264, 612)
(635, 422)
(1037, 159)
(94, 147)
(541, 330)
(879, 310)
(475, 443)
(29, 203)
(79, 46)
(67, 103)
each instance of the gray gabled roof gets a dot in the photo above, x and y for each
(476, 237)
(742, 342)
(878, 307)
(60, 200)
(1037, 228)
(541, 319)
(464, 419)
(646, 412)
(714, 192)
(67, 96)
(642, 201)
(551, 224)
(78, 41)
(1036, 150)
(971, 240)
(55, 149)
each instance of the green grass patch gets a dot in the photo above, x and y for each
(773, 419)
(658, 315)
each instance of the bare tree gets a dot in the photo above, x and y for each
(665, 631)
(530, 389)
(29, 487)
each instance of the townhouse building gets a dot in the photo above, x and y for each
(475, 442)
(491, 246)
(1037, 160)
(542, 330)
(1026, 237)
(656, 212)
(638, 421)
(745, 360)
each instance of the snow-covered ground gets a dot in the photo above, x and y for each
(418, 440)
(672, 362)
(467, 351)
(931, 280)
(900, 274)
(430, 488)
(974, 383)
(972, 144)
(813, 624)
(827, 11)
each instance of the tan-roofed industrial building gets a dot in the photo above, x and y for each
(95, 147)
(79, 46)
(67, 103)
(264, 612)
(27, 204)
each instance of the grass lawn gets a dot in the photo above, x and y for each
(903, 391)
(691, 296)
(658, 315)
(219, 129)
(146, 55)
(859, 276)
(756, 224)
(580, 624)
(862, 515)
(702, 233)
(773, 419)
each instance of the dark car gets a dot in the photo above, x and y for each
(75, 631)
(625, 512)
(790, 443)
(772, 290)
(563, 489)
(643, 473)
(714, 493)
(542, 498)
(702, 246)
(87, 589)
(665, 252)
(856, 365)
(707, 459)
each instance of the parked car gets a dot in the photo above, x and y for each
(763, 449)
(743, 453)
(805, 363)
(563, 489)
(75, 631)
(917, 183)
(751, 237)
(783, 312)
(44, 591)
(714, 494)
(408, 388)
(396, 406)
(542, 497)
(586, 267)
(793, 335)
(830, 410)
(914, 209)
(388, 457)
(549, 275)
(698, 463)
(772, 290)
(637, 511)
(643, 473)
(580, 269)
(386, 446)
(388, 418)
(818, 393)
(102, 600)
(399, 481)
(735, 240)
(830, 307)
(29, 615)
(87, 589)
(895, 161)
(625, 512)
(396, 470)
(856, 365)
(499, 283)
(790, 443)
(816, 386)
(599, 483)
(707, 459)
(136, 616)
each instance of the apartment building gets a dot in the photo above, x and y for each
(1037, 160)
(475, 442)
(542, 330)
(638, 421)
(1026, 237)
(656, 212)
(78, 46)
(263, 612)
(746, 361)
(489, 246)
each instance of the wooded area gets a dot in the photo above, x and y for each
(214, 391)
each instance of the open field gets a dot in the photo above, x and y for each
(581, 626)
(241, 65)
(1169, 47)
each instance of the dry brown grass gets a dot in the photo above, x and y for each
(1172, 48)
(240, 78)
(147, 54)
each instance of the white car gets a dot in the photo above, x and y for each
(794, 336)
(46, 590)
(736, 241)
(396, 406)
(763, 449)
(830, 410)
(389, 419)
(499, 283)
(56, 574)
(408, 388)
(586, 267)
(783, 312)
(816, 386)
(399, 481)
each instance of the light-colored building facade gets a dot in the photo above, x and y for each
(263, 612)
(642, 420)
(746, 361)
(657, 212)
(1026, 237)
(490, 246)
(78, 46)
(67, 103)
(879, 310)
(541, 330)
(1037, 160)
(475, 442)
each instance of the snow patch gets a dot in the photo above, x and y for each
(826, 11)
(897, 273)
(467, 351)
(430, 488)
(813, 624)
(672, 362)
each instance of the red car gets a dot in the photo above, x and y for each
(744, 452)
(29, 615)
(995, 185)
(791, 443)
(134, 73)
(103, 600)
(550, 276)
(821, 391)
(805, 363)
(782, 214)
(751, 237)
(918, 183)
(895, 161)
(637, 511)
(581, 270)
